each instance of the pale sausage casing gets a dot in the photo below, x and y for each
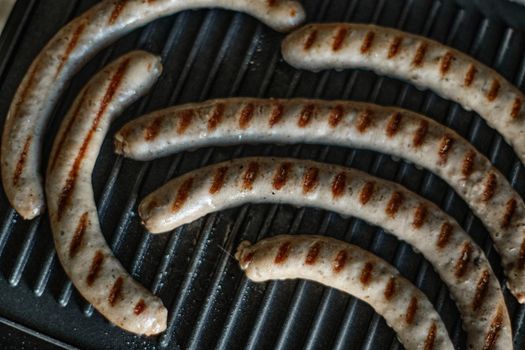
(458, 260)
(79, 242)
(67, 52)
(352, 270)
(390, 130)
(424, 62)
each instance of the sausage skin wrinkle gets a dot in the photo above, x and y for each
(79, 242)
(390, 130)
(458, 260)
(66, 53)
(352, 270)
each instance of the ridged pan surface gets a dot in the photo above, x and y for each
(214, 54)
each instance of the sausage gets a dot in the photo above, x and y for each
(79, 242)
(390, 130)
(66, 53)
(418, 60)
(455, 256)
(354, 271)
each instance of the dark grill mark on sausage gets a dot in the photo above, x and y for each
(310, 180)
(282, 253)
(19, 169)
(250, 175)
(420, 134)
(336, 115)
(364, 120)
(216, 117)
(117, 10)
(471, 74)
(139, 307)
(281, 175)
(271, 3)
(367, 42)
(313, 253)
(67, 130)
(366, 273)
(277, 114)
(339, 184)
(393, 50)
(468, 163)
(218, 180)
(339, 39)
(463, 260)
(394, 123)
(306, 116)
(394, 204)
(489, 187)
(494, 90)
(444, 235)
(152, 130)
(444, 148)
(493, 333)
(69, 186)
(516, 108)
(420, 55)
(246, 116)
(116, 290)
(446, 62)
(185, 121)
(420, 216)
(510, 208)
(411, 311)
(182, 195)
(431, 337)
(73, 42)
(390, 288)
(521, 258)
(340, 261)
(481, 290)
(310, 40)
(76, 240)
(366, 192)
(94, 269)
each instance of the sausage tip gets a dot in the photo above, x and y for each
(240, 253)
(120, 144)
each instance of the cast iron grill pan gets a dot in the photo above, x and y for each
(212, 54)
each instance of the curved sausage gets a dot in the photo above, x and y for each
(421, 61)
(390, 130)
(67, 52)
(79, 242)
(455, 256)
(354, 271)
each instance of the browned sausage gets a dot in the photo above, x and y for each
(79, 242)
(454, 255)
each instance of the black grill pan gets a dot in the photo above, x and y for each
(216, 53)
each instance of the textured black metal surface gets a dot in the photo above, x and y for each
(218, 53)
(16, 336)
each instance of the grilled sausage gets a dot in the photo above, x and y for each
(67, 52)
(398, 132)
(455, 256)
(421, 61)
(355, 271)
(79, 241)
